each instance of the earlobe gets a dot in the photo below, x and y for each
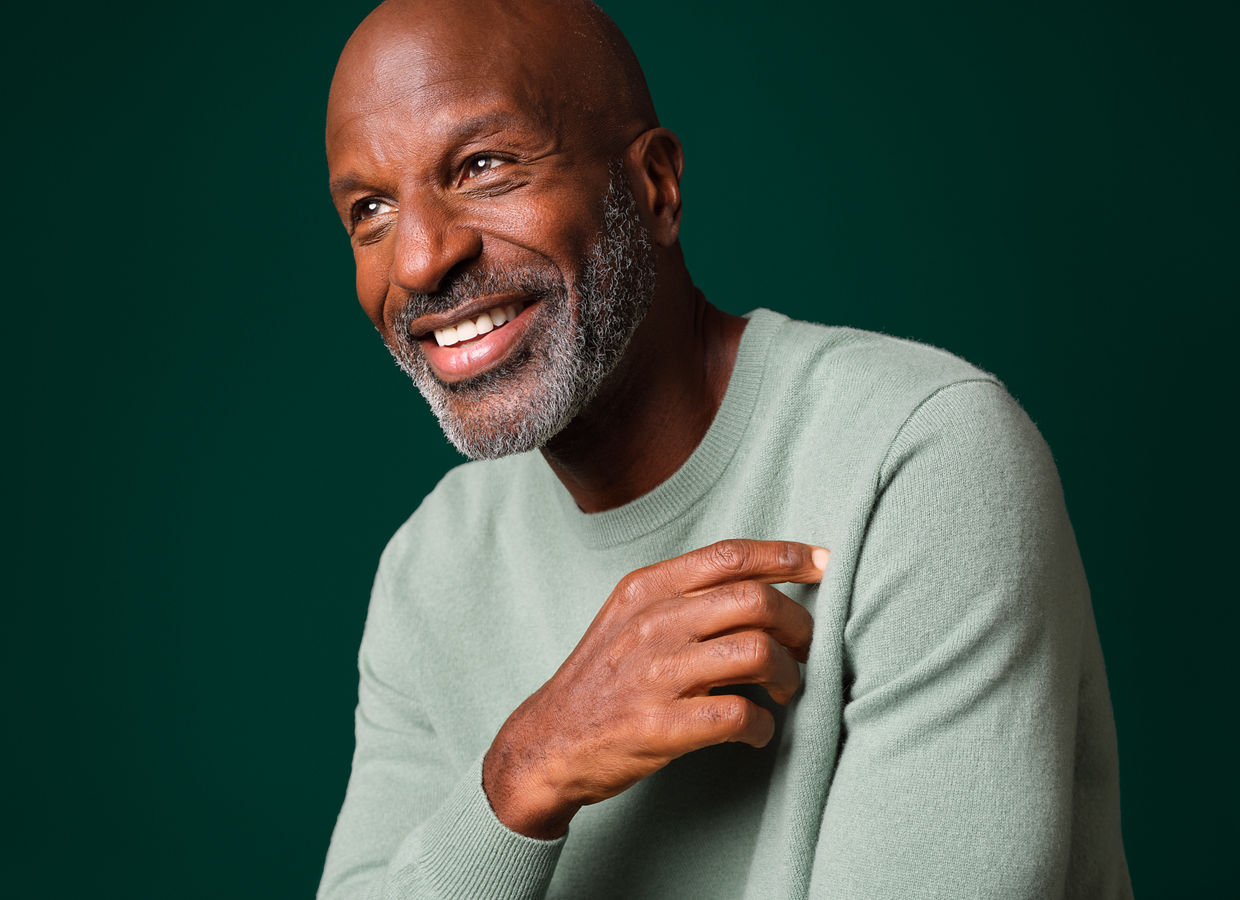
(656, 162)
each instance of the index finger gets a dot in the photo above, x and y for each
(737, 559)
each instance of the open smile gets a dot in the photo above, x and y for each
(471, 328)
(465, 344)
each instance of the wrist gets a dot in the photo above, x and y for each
(524, 802)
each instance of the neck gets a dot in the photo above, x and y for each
(654, 409)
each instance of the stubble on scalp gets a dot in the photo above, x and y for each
(566, 354)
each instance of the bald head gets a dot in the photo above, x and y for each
(564, 60)
(503, 156)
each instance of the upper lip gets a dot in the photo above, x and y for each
(424, 325)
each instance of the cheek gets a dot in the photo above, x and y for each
(372, 284)
(558, 233)
(557, 216)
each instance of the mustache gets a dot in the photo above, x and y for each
(466, 286)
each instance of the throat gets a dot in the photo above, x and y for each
(650, 415)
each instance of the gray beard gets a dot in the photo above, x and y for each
(567, 351)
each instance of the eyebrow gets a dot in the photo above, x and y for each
(486, 123)
(346, 184)
(475, 126)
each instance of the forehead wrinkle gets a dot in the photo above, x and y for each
(447, 127)
(386, 150)
(402, 80)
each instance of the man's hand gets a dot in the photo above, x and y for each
(635, 693)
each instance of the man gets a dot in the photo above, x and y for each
(577, 676)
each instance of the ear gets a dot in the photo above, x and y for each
(654, 162)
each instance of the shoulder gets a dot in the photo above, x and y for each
(866, 394)
(864, 364)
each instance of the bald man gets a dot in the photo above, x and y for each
(578, 677)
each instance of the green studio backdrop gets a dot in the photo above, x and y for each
(211, 446)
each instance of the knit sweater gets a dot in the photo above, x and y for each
(953, 736)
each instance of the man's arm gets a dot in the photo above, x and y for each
(975, 690)
(409, 826)
(633, 695)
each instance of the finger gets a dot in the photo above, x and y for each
(747, 657)
(747, 605)
(742, 560)
(723, 718)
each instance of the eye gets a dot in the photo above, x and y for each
(480, 164)
(369, 208)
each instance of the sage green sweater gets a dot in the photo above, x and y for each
(953, 737)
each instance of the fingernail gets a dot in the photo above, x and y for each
(820, 557)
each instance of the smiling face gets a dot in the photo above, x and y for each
(524, 370)
(499, 249)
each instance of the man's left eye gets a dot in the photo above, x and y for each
(481, 164)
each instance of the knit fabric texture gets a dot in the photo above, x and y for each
(953, 736)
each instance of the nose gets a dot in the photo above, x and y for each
(429, 245)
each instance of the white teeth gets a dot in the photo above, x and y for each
(481, 324)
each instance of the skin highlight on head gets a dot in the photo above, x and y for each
(480, 153)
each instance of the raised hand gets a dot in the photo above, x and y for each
(635, 692)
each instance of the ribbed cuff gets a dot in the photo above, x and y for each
(464, 851)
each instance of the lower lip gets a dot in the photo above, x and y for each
(463, 361)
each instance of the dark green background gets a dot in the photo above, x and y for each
(208, 431)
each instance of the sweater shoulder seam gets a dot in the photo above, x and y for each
(926, 400)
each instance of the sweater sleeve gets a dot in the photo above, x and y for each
(976, 711)
(412, 827)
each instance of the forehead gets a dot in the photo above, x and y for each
(418, 91)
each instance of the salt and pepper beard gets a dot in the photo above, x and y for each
(567, 350)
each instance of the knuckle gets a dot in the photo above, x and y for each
(732, 711)
(751, 599)
(729, 557)
(748, 652)
(644, 628)
(755, 649)
(629, 589)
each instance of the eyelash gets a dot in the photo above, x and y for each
(469, 170)
(468, 173)
(356, 213)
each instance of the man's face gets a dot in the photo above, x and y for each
(470, 196)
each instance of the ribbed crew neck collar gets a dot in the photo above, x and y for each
(704, 466)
